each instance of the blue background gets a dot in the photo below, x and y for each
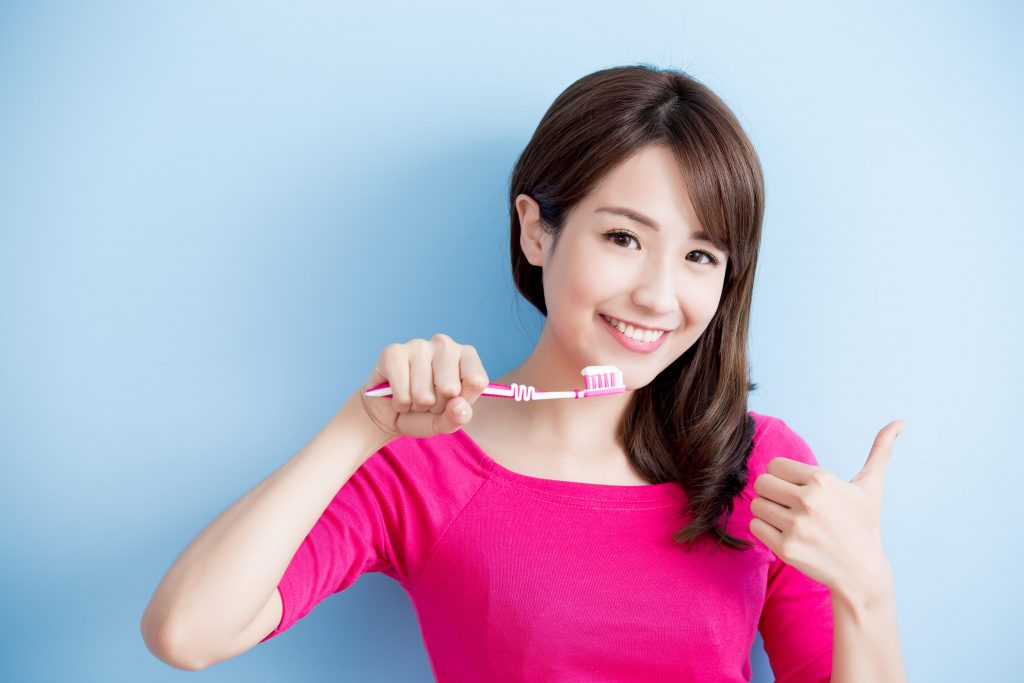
(215, 216)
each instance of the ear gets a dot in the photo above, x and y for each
(532, 237)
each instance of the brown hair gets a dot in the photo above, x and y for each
(697, 406)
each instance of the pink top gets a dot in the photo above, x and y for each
(517, 578)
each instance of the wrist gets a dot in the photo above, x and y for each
(353, 415)
(867, 591)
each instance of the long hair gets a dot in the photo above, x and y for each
(690, 424)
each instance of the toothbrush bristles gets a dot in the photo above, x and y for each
(601, 376)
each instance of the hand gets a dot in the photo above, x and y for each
(433, 383)
(823, 526)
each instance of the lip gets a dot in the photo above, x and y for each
(632, 344)
(638, 325)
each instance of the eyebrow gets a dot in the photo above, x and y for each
(638, 217)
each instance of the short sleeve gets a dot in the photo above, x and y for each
(796, 622)
(387, 518)
(349, 539)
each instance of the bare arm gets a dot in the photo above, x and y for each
(866, 639)
(220, 598)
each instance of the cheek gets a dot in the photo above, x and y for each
(571, 295)
(705, 302)
(708, 308)
(587, 288)
(698, 313)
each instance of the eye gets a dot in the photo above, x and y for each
(613, 235)
(711, 259)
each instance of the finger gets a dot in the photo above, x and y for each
(777, 489)
(447, 384)
(474, 377)
(766, 533)
(791, 470)
(455, 414)
(872, 476)
(421, 375)
(424, 424)
(377, 375)
(779, 516)
(395, 365)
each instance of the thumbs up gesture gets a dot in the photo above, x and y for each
(825, 527)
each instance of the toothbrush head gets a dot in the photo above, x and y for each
(602, 379)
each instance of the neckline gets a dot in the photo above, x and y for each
(562, 489)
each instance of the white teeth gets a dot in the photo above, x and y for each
(645, 336)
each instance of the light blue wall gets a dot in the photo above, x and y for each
(214, 217)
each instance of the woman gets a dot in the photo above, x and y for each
(642, 536)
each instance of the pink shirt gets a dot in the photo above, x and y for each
(516, 578)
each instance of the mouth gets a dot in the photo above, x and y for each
(637, 327)
(644, 340)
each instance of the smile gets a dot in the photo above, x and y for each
(642, 340)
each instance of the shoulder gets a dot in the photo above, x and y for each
(774, 438)
(407, 494)
(437, 465)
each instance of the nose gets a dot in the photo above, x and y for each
(656, 289)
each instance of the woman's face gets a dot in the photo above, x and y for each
(660, 276)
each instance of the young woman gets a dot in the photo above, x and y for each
(642, 536)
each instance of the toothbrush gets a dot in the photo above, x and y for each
(600, 380)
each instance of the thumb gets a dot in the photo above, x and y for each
(871, 477)
(457, 413)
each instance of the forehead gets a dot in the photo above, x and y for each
(647, 188)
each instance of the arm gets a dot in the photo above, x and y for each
(221, 582)
(829, 530)
(866, 643)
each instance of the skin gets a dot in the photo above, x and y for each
(827, 528)
(660, 278)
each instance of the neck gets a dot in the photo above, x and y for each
(580, 430)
